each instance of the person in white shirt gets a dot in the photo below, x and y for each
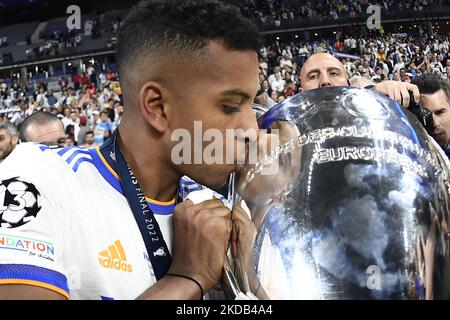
(436, 64)
(352, 45)
(272, 76)
(263, 64)
(278, 84)
(103, 80)
(41, 98)
(286, 60)
(400, 64)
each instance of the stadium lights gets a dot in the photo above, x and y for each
(334, 32)
(296, 35)
(278, 38)
(316, 34)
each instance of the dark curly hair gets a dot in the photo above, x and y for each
(431, 83)
(181, 28)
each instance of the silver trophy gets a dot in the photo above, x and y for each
(355, 204)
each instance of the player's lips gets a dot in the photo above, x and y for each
(242, 158)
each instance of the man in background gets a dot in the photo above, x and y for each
(435, 96)
(43, 127)
(324, 70)
(89, 140)
(9, 138)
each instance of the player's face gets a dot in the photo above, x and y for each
(7, 143)
(217, 97)
(270, 187)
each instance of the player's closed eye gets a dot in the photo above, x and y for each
(230, 108)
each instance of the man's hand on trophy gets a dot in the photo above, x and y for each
(201, 240)
(398, 91)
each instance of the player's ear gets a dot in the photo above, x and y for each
(152, 104)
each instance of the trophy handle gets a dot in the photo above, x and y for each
(234, 278)
(230, 284)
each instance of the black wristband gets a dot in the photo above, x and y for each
(370, 86)
(189, 278)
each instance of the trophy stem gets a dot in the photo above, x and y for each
(230, 284)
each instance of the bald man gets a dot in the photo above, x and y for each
(324, 70)
(44, 128)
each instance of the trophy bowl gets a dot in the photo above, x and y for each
(351, 202)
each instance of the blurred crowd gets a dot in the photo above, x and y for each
(89, 107)
(277, 12)
(368, 58)
(90, 102)
(60, 40)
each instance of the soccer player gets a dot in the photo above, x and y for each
(111, 222)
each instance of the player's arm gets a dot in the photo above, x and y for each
(32, 229)
(201, 239)
(27, 292)
(172, 288)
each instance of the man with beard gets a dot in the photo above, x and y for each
(9, 137)
(435, 96)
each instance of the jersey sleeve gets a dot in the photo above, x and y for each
(32, 222)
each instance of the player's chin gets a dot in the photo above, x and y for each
(217, 176)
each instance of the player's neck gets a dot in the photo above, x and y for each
(155, 176)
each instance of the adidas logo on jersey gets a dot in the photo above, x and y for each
(114, 258)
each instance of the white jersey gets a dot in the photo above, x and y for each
(66, 226)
